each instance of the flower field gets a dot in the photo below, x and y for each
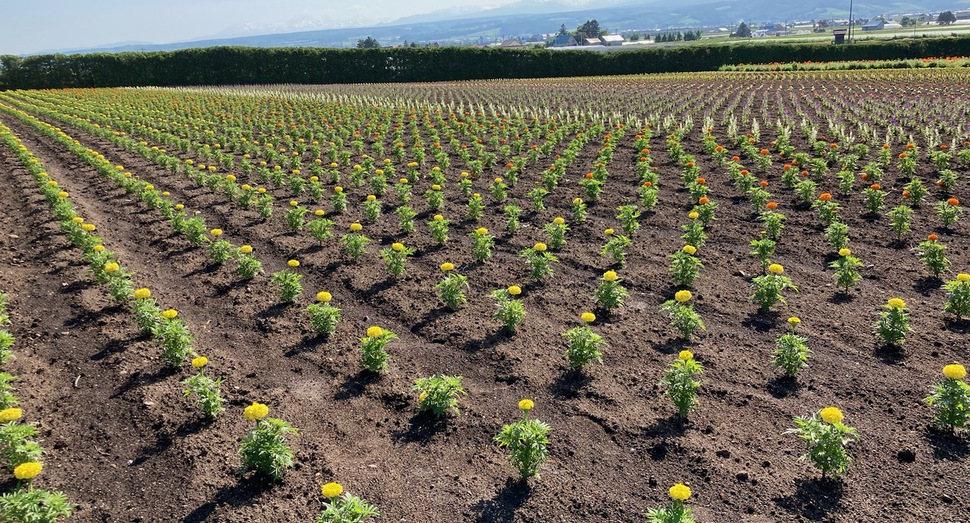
(677, 281)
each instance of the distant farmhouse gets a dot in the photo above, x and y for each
(565, 40)
(875, 24)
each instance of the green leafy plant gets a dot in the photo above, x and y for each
(439, 394)
(354, 242)
(482, 244)
(825, 438)
(930, 252)
(35, 506)
(846, 270)
(682, 315)
(509, 309)
(677, 512)
(893, 322)
(610, 292)
(396, 257)
(764, 249)
(556, 232)
(288, 282)
(685, 266)
(264, 450)
(204, 388)
(949, 212)
(837, 234)
(247, 266)
(451, 290)
(584, 345)
(958, 298)
(174, 338)
(372, 349)
(628, 216)
(527, 441)
(768, 287)
(343, 509)
(321, 229)
(951, 397)
(512, 214)
(680, 383)
(323, 316)
(900, 217)
(439, 228)
(539, 259)
(372, 208)
(615, 247)
(792, 353)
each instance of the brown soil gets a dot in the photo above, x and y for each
(125, 445)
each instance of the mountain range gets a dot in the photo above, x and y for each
(536, 17)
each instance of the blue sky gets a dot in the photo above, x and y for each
(30, 26)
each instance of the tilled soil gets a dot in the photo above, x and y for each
(125, 445)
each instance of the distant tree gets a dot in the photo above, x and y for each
(946, 18)
(820, 26)
(743, 31)
(563, 30)
(907, 21)
(590, 29)
(368, 43)
(634, 37)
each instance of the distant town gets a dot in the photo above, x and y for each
(590, 36)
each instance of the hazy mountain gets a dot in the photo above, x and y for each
(532, 17)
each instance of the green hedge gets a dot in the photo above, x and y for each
(246, 65)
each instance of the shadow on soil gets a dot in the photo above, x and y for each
(672, 346)
(354, 386)
(927, 285)
(813, 498)
(422, 427)
(946, 444)
(890, 354)
(164, 440)
(569, 384)
(246, 492)
(761, 321)
(503, 506)
(138, 379)
(671, 426)
(487, 342)
(783, 386)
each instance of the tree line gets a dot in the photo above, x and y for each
(245, 65)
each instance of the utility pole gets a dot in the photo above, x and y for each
(850, 22)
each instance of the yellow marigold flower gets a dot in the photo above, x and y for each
(111, 267)
(331, 490)
(844, 251)
(256, 411)
(27, 470)
(896, 303)
(577, 201)
(324, 296)
(515, 290)
(142, 293)
(293, 263)
(261, 190)
(338, 189)
(526, 405)
(200, 361)
(447, 266)
(246, 249)
(436, 187)
(776, 268)
(179, 206)
(356, 227)
(559, 220)
(170, 314)
(294, 203)
(423, 396)
(608, 232)
(403, 181)
(685, 355)
(88, 227)
(216, 232)
(98, 248)
(831, 415)
(13, 413)
(62, 194)
(954, 371)
(52, 183)
(610, 276)
(166, 194)
(693, 215)
(397, 247)
(120, 167)
(680, 492)
(438, 218)
(588, 317)
(334, 165)
(794, 320)
(482, 231)
(464, 174)
(374, 332)
(690, 249)
(230, 177)
(498, 180)
(540, 247)
(963, 277)
(77, 219)
(318, 212)
(371, 197)
(683, 296)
